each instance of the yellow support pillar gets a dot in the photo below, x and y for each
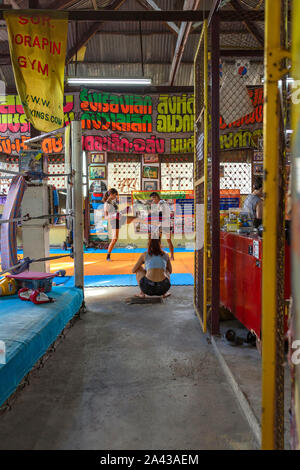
(272, 434)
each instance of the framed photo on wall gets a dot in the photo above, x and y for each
(150, 185)
(150, 172)
(31, 161)
(258, 156)
(151, 158)
(258, 168)
(97, 157)
(97, 172)
(260, 144)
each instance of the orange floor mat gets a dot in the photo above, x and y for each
(121, 263)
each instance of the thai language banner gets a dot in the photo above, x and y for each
(129, 123)
(15, 129)
(137, 123)
(37, 43)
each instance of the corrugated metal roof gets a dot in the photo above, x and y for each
(115, 50)
(75, 31)
(4, 49)
(159, 73)
(128, 5)
(132, 27)
(162, 4)
(110, 48)
(8, 74)
(3, 32)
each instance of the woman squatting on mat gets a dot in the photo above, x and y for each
(154, 279)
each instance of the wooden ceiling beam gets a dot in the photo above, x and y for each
(160, 16)
(167, 32)
(142, 90)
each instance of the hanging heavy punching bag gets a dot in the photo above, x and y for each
(9, 230)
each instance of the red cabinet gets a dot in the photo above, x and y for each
(241, 277)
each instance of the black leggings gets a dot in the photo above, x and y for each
(154, 288)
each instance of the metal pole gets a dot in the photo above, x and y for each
(272, 388)
(78, 202)
(40, 137)
(141, 45)
(68, 169)
(201, 110)
(215, 162)
(206, 122)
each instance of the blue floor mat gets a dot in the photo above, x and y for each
(59, 251)
(116, 280)
(28, 330)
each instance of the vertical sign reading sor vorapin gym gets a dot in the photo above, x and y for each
(37, 43)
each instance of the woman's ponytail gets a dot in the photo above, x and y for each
(109, 193)
(106, 196)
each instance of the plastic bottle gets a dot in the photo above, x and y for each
(8, 286)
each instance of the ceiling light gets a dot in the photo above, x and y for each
(110, 81)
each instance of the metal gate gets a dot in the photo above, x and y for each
(202, 289)
(206, 177)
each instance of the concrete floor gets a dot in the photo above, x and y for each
(244, 363)
(129, 377)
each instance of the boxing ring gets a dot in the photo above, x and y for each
(29, 330)
(26, 330)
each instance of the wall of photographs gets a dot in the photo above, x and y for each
(141, 172)
(97, 186)
(153, 172)
(180, 212)
(128, 174)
